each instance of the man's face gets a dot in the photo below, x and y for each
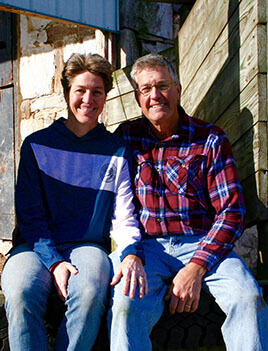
(86, 100)
(160, 105)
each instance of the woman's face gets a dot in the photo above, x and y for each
(85, 101)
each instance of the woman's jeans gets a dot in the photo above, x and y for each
(27, 283)
(230, 282)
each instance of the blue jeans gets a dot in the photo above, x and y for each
(230, 282)
(27, 283)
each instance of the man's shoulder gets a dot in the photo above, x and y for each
(201, 128)
(131, 126)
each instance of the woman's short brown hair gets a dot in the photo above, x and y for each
(93, 63)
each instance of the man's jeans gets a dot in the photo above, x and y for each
(230, 282)
(27, 283)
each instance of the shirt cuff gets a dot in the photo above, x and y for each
(208, 259)
(133, 249)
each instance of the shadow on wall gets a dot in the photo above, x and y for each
(224, 106)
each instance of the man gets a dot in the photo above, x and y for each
(191, 207)
(73, 190)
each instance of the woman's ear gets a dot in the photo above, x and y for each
(66, 96)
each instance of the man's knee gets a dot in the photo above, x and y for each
(243, 297)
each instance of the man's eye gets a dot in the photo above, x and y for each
(163, 87)
(146, 90)
(97, 93)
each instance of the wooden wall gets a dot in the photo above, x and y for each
(223, 71)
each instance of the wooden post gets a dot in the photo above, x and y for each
(262, 267)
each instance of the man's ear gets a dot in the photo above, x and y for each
(179, 88)
(137, 97)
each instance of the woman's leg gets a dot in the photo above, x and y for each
(26, 284)
(87, 297)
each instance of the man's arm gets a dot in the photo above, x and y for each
(226, 197)
(184, 292)
(225, 194)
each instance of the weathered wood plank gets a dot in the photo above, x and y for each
(247, 109)
(121, 108)
(122, 83)
(240, 71)
(199, 22)
(193, 50)
(251, 151)
(230, 36)
(256, 206)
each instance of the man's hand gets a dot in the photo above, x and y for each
(184, 293)
(132, 271)
(61, 274)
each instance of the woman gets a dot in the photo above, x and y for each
(73, 191)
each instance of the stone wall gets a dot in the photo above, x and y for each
(44, 46)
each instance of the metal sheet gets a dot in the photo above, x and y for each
(103, 14)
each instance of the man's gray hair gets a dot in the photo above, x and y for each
(151, 60)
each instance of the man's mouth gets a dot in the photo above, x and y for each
(157, 106)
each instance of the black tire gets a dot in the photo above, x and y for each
(4, 345)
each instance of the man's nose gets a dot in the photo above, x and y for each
(155, 92)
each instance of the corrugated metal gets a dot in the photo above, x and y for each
(103, 14)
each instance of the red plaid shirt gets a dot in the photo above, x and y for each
(187, 184)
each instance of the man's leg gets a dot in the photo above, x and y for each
(130, 321)
(239, 296)
(87, 298)
(26, 284)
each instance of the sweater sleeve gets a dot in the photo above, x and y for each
(31, 208)
(125, 226)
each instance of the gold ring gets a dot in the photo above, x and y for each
(188, 306)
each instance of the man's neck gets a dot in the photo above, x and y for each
(162, 131)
